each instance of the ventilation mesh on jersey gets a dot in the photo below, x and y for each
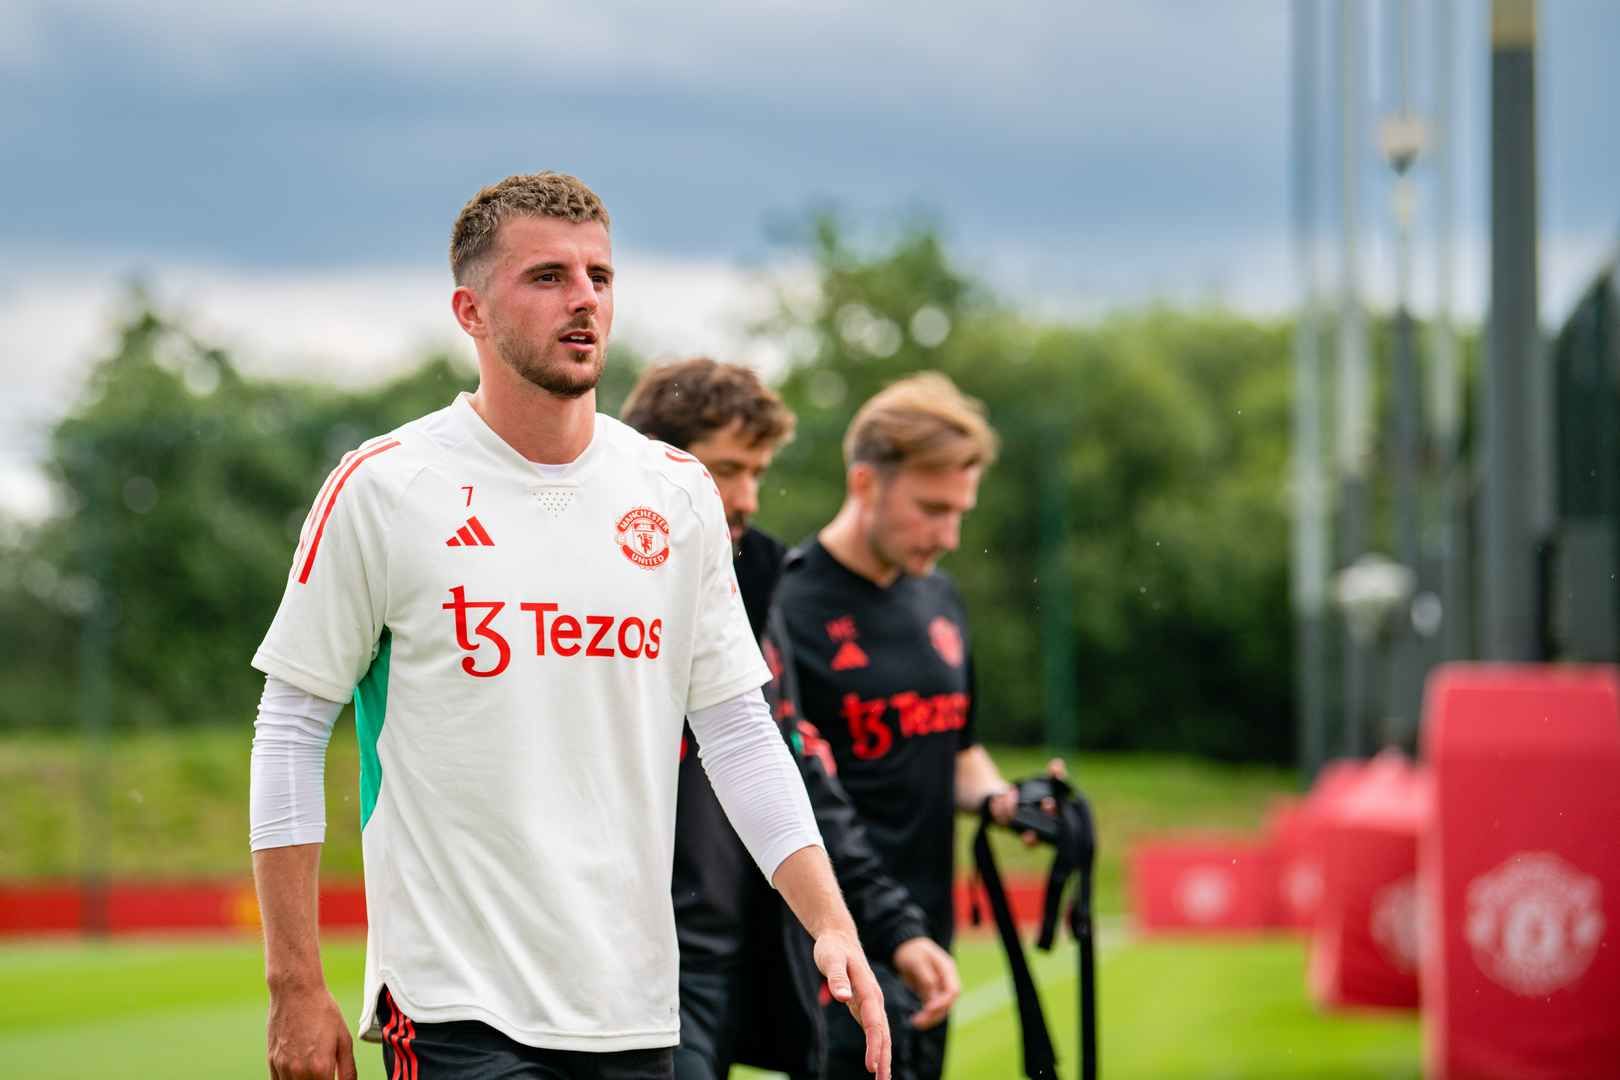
(556, 500)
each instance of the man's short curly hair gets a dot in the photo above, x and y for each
(688, 400)
(541, 194)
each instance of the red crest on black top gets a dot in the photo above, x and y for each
(947, 640)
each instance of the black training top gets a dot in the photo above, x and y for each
(726, 913)
(886, 675)
(713, 871)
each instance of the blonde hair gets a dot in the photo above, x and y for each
(541, 194)
(923, 421)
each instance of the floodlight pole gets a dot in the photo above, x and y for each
(1446, 385)
(1311, 543)
(1353, 400)
(1401, 139)
(1511, 390)
(1056, 596)
(95, 634)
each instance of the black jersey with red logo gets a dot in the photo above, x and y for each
(886, 676)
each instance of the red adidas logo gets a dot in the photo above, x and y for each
(472, 534)
(848, 657)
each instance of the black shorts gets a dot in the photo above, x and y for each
(709, 1019)
(470, 1050)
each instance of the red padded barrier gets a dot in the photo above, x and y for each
(1521, 977)
(1202, 884)
(1364, 946)
(1294, 831)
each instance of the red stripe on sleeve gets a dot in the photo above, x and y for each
(478, 527)
(337, 489)
(320, 499)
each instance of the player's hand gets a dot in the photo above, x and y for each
(849, 979)
(1004, 804)
(308, 1037)
(931, 974)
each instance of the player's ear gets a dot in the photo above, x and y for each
(468, 310)
(863, 481)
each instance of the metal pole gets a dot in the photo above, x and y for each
(1057, 607)
(1353, 426)
(1445, 408)
(1509, 389)
(95, 634)
(1402, 144)
(1311, 541)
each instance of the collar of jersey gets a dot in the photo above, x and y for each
(498, 448)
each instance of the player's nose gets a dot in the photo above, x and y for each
(582, 296)
(745, 498)
(951, 533)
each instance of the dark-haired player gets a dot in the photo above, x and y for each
(748, 987)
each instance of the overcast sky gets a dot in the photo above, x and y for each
(286, 173)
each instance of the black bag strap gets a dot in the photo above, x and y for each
(1070, 831)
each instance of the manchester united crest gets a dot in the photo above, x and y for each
(1535, 922)
(947, 640)
(643, 536)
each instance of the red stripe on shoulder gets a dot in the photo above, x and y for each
(331, 501)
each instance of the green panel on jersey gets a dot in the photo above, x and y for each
(370, 709)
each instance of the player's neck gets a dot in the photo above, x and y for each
(540, 425)
(846, 542)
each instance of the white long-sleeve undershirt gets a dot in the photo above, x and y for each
(742, 752)
(287, 789)
(755, 779)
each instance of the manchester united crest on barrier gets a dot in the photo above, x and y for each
(1535, 922)
(643, 536)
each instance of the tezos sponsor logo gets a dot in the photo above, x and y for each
(643, 536)
(1534, 923)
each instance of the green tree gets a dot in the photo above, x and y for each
(1166, 433)
(184, 488)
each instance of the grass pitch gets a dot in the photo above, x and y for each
(188, 1009)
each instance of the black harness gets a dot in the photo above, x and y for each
(1071, 833)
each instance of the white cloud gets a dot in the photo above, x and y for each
(350, 326)
(361, 324)
(1112, 68)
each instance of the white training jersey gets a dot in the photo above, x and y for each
(522, 643)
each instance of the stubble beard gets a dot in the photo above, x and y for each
(564, 377)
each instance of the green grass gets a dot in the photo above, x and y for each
(184, 1009)
(175, 804)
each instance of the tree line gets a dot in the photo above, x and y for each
(1138, 513)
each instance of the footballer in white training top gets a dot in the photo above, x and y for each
(501, 624)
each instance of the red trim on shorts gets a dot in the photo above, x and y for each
(331, 500)
(398, 1034)
(411, 1064)
(388, 1030)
